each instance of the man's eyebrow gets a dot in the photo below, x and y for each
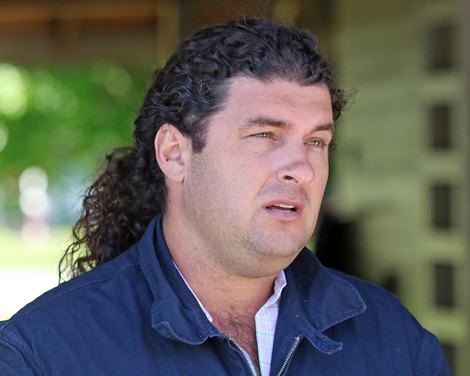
(326, 127)
(267, 121)
(263, 121)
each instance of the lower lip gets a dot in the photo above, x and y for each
(283, 215)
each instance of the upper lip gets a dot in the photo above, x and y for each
(286, 203)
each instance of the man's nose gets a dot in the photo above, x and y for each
(297, 168)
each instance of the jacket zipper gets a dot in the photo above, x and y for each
(289, 355)
(246, 356)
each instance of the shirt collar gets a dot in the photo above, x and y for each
(279, 283)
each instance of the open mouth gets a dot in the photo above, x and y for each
(283, 207)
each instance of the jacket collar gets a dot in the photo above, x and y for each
(314, 299)
(175, 312)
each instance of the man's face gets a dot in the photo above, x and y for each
(251, 197)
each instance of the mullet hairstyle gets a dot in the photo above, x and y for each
(190, 88)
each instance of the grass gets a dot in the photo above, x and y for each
(28, 266)
(32, 253)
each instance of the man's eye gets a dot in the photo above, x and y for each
(263, 135)
(318, 143)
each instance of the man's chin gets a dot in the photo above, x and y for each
(285, 248)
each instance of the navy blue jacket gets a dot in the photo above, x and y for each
(135, 316)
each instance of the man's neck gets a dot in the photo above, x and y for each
(215, 283)
(220, 293)
(231, 297)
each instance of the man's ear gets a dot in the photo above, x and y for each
(171, 151)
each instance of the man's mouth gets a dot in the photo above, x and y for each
(282, 207)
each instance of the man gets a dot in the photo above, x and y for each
(216, 201)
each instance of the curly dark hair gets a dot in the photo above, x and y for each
(190, 88)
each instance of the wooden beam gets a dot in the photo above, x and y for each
(167, 29)
(287, 10)
(53, 10)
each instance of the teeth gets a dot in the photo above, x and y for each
(285, 206)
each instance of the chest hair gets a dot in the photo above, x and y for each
(242, 329)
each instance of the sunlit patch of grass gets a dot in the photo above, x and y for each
(39, 253)
(28, 267)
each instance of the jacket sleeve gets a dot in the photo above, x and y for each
(13, 361)
(432, 361)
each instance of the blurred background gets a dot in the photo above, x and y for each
(397, 210)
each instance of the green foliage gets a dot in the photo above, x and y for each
(64, 118)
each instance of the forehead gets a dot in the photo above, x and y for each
(242, 85)
(278, 99)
